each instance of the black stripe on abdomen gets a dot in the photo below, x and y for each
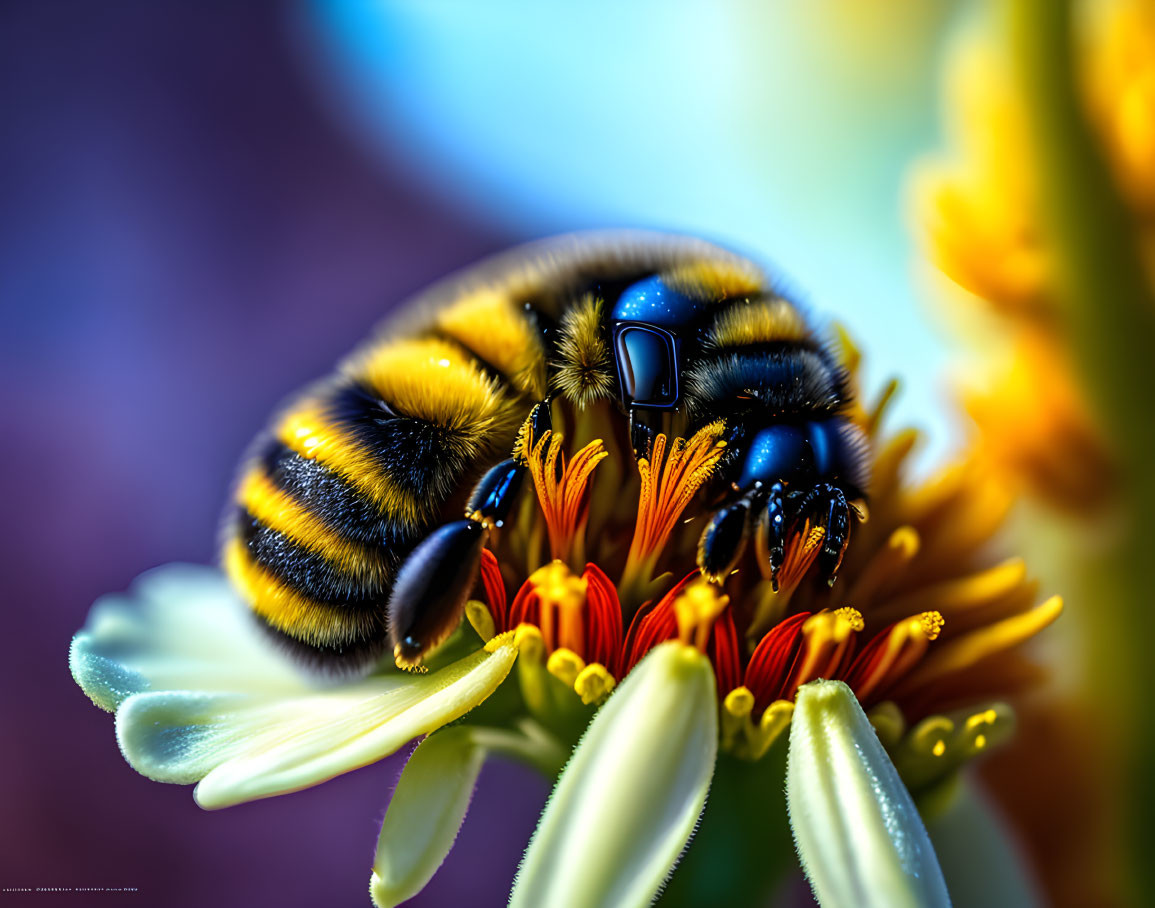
(331, 499)
(312, 575)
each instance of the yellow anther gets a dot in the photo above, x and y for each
(528, 640)
(565, 665)
(830, 627)
(775, 719)
(851, 616)
(696, 609)
(479, 616)
(931, 624)
(930, 730)
(739, 702)
(594, 683)
(980, 742)
(939, 748)
(562, 596)
(556, 583)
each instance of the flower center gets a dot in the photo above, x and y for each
(574, 625)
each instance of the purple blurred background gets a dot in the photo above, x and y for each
(185, 237)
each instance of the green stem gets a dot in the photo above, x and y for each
(1108, 315)
(531, 744)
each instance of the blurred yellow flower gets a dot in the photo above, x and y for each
(980, 214)
(1017, 216)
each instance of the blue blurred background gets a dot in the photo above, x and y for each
(202, 206)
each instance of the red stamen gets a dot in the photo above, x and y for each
(494, 586)
(652, 626)
(725, 653)
(603, 625)
(773, 661)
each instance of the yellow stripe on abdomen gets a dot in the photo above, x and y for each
(279, 511)
(494, 327)
(309, 432)
(759, 322)
(287, 610)
(436, 381)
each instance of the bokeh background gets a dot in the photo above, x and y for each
(203, 205)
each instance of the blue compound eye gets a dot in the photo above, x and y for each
(647, 366)
(648, 319)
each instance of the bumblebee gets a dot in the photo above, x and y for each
(346, 535)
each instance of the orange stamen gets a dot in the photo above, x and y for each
(560, 597)
(563, 491)
(669, 483)
(801, 549)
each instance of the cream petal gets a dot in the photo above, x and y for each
(180, 627)
(425, 814)
(858, 833)
(244, 747)
(629, 799)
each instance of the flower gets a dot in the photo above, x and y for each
(979, 214)
(593, 644)
(986, 228)
(1041, 214)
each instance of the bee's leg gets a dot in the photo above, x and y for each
(541, 417)
(774, 524)
(435, 581)
(641, 433)
(837, 534)
(724, 539)
(826, 504)
(431, 589)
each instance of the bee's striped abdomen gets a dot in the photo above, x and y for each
(762, 349)
(356, 472)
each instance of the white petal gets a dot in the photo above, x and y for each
(858, 833)
(244, 747)
(425, 814)
(180, 627)
(628, 801)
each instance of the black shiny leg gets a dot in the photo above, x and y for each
(826, 505)
(725, 537)
(837, 534)
(774, 521)
(541, 418)
(433, 584)
(494, 494)
(641, 433)
(431, 588)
